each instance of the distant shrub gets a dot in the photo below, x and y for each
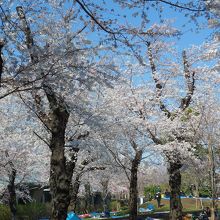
(205, 191)
(124, 211)
(5, 213)
(114, 205)
(33, 210)
(150, 191)
(124, 207)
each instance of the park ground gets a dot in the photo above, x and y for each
(34, 211)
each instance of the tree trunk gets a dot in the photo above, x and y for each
(213, 178)
(11, 187)
(175, 186)
(88, 197)
(74, 192)
(12, 193)
(197, 194)
(59, 182)
(105, 194)
(133, 198)
(61, 171)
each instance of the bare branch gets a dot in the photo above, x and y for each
(176, 5)
(90, 14)
(117, 159)
(153, 137)
(38, 116)
(42, 139)
(17, 89)
(1, 61)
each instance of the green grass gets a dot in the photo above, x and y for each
(189, 204)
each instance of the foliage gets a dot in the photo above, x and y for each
(33, 210)
(151, 190)
(205, 191)
(114, 205)
(124, 210)
(5, 213)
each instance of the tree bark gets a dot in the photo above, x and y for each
(133, 198)
(61, 171)
(74, 192)
(11, 187)
(88, 197)
(59, 181)
(213, 178)
(175, 186)
(12, 193)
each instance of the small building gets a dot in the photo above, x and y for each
(38, 193)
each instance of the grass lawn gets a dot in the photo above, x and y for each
(189, 204)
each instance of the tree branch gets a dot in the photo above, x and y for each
(153, 137)
(158, 84)
(27, 32)
(1, 61)
(190, 81)
(176, 5)
(89, 13)
(42, 139)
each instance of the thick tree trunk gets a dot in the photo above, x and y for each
(133, 198)
(59, 182)
(61, 171)
(175, 186)
(12, 193)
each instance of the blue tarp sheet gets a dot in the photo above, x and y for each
(150, 208)
(72, 216)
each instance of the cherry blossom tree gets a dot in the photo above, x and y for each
(23, 157)
(124, 133)
(168, 127)
(208, 133)
(183, 115)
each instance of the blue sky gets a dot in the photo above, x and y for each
(190, 35)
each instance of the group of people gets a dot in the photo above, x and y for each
(206, 213)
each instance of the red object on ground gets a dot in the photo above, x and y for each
(85, 216)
